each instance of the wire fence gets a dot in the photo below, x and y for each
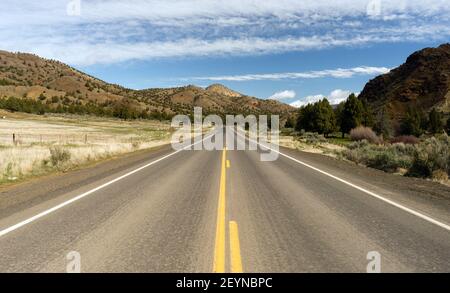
(20, 139)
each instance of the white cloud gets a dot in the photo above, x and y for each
(53, 11)
(335, 97)
(307, 100)
(338, 95)
(335, 73)
(116, 31)
(283, 95)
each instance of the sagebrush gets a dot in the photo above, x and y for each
(429, 158)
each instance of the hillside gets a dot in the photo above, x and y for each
(423, 81)
(183, 99)
(63, 88)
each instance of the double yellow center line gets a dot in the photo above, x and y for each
(220, 246)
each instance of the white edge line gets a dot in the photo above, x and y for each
(78, 197)
(406, 209)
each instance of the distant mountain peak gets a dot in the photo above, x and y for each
(223, 90)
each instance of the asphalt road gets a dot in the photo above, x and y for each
(205, 211)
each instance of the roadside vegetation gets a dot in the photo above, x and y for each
(32, 145)
(418, 147)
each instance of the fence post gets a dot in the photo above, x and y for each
(85, 139)
(14, 138)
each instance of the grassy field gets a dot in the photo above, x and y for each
(33, 145)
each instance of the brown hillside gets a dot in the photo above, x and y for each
(29, 76)
(422, 81)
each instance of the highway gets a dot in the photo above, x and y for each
(225, 211)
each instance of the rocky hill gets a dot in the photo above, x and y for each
(423, 81)
(222, 90)
(58, 85)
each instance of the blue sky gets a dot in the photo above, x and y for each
(294, 51)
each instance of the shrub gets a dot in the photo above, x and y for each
(8, 171)
(5, 82)
(135, 145)
(59, 155)
(358, 144)
(387, 158)
(313, 138)
(431, 155)
(439, 175)
(403, 149)
(406, 139)
(361, 132)
(353, 155)
(385, 161)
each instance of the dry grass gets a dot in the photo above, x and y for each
(305, 145)
(48, 144)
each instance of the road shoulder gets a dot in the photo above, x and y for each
(426, 196)
(33, 192)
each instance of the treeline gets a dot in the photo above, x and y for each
(4, 82)
(321, 118)
(23, 105)
(121, 111)
(417, 122)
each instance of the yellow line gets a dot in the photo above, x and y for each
(235, 249)
(219, 250)
(228, 163)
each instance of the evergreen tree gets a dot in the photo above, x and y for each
(290, 122)
(435, 122)
(423, 119)
(351, 115)
(323, 117)
(383, 124)
(318, 117)
(304, 120)
(338, 114)
(367, 116)
(413, 123)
